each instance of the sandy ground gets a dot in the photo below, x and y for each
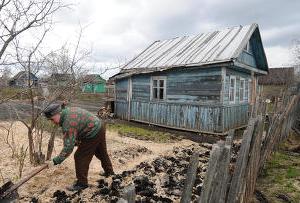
(125, 153)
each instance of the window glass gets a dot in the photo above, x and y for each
(158, 88)
(155, 96)
(161, 93)
(161, 83)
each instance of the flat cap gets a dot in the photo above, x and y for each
(51, 110)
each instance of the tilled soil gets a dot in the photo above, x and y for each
(158, 180)
(131, 159)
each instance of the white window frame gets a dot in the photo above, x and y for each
(242, 96)
(234, 89)
(158, 78)
(247, 93)
(247, 48)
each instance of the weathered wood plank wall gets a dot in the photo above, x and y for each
(198, 85)
(193, 101)
(121, 89)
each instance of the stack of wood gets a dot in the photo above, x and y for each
(104, 113)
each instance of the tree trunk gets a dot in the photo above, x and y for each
(51, 145)
(31, 145)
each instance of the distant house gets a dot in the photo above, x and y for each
(93, 83)
(202, 83)
(278, 80)
(278, 76)
(60, 79)
(21, 79)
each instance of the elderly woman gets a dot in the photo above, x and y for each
(88, 131)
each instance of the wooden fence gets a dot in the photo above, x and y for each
(257, 145)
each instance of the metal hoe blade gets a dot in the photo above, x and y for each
(8, 192)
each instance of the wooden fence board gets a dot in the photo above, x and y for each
(190, 178)
(238, 180)
(210, 174)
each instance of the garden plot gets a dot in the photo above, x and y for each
(146, 164)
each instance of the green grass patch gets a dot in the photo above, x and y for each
(293, 172)
(142, 133)
(281, 176)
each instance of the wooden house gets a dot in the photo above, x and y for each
(93, 83)
(21, 79)
(202, 83)
(60, 79)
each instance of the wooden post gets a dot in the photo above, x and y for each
(190, 178)
(238, 180)
(224, 180)
(210, 174)
(253, 163)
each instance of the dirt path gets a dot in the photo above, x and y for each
(125, 153)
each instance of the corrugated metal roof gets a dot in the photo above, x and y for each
(217, 46)
(203, 49)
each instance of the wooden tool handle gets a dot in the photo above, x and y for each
(24, 180)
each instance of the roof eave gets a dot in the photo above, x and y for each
(250, 68)
(137, 71)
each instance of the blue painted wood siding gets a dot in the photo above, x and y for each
(247, 58)
(193, 101)
(141, 88)
(198, 85)
(194, 117)
(121, 88)
(188, 85)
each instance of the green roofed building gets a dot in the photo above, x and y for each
(93, 83)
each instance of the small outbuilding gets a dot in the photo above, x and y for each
(60, 79)
(93, 83)
(202, 83)
(23, 79)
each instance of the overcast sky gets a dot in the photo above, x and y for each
(117, 30)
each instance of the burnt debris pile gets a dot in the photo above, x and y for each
(160, 180)
(130, 153)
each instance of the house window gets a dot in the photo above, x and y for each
(248, 48)
(246, 96)
(232, 87)
(242, 89)
(158, 88)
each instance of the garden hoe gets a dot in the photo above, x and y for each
(8, 191)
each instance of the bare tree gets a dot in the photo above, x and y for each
(18, 16)
(9, 138)
(33, 61)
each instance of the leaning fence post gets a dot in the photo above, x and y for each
(227, 156)
(210, 174)
(190, 178)
(238, 180)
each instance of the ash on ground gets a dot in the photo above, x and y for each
(159, 180)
